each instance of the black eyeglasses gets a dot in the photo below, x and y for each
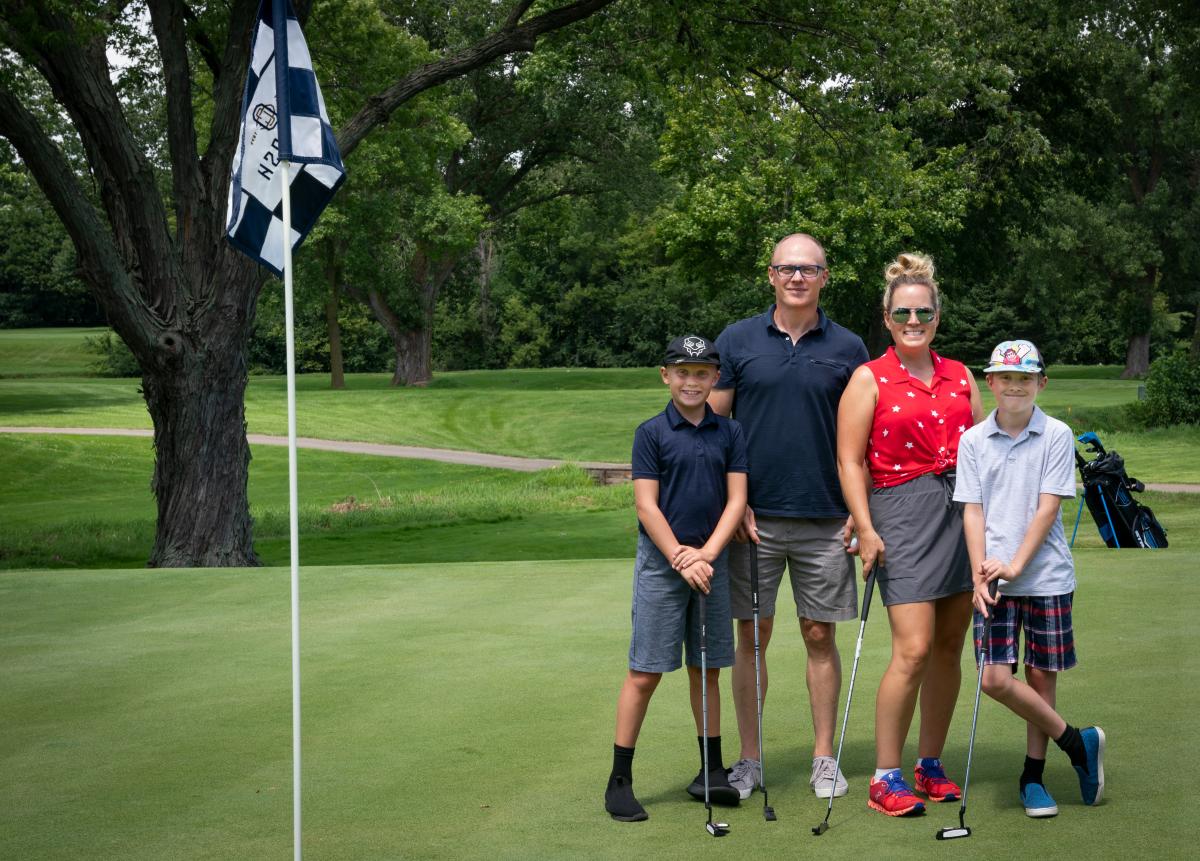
(924, 315)
(808, 270)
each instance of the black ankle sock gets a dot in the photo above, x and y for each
(622, 762)
(1033, 771)
(714, 752)
(1071, 743)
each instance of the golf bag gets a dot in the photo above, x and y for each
(1107, 490)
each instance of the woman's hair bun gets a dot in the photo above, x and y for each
(912, 267)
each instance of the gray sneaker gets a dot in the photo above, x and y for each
(744, 776)
(823, 780)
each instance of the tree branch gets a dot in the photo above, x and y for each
(99, 260)
(520, 38)
(514, 17)
(167, 19)
(208, 51)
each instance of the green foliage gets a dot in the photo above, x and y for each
(113, 358)
(1172, 390)
(365, 347)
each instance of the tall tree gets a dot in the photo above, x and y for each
(150, 243)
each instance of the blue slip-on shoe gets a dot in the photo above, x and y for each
(1037, 801)
(1091, 780)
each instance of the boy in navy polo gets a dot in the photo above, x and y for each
(689, 484)
(1014, 469)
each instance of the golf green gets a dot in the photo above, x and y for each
(465, 711)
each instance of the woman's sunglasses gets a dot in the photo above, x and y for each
(924, 315)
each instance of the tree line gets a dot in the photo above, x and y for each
(571, 183)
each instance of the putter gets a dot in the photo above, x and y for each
(768, 810)
(961, 830)
(862, 626)
(716, 829)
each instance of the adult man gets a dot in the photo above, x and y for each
(782, 375)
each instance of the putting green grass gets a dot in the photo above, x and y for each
(465, 711)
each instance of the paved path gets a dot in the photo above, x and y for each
(605, 472)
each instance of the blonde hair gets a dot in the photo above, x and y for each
(910, 268)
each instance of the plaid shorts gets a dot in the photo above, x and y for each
(1046, 621)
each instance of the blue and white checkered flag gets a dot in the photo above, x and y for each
(283, 119)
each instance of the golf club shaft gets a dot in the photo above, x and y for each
(862, 626)
(704, 699)
(983, 644)
(758, 704)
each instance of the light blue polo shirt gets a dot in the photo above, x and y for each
(1006, 476)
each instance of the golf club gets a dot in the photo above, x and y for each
(716, 829)
(961, 830)
(862, 626)
(768, 810)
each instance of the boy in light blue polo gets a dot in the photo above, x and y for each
(1014, 469)
(689, 485)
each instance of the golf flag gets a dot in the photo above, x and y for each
(283, 119)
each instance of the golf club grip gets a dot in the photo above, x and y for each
(868, 592)
(754, 567)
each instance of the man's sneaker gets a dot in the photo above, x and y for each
(1037, 801)
(744, 776)
(719, 790)
(1091, 780)
(931, 782)
(620, 801)
(827, 778)
(891, 795)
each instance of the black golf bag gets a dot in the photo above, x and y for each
(1107, 490)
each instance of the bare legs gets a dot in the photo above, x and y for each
(639, 687)
(1033, 701)
(823, 674)
(927, 641)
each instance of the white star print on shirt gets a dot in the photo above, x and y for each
(962, 428)
(896, 408)
(896, 467)
(885, 430)
(908, 445)
(921, 425)
(954, 394)
(933, 413)
(962, 382)
(883, 379)
(911, 395)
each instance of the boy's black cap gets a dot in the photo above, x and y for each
(692, 350)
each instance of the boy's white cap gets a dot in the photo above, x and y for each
(1020, 357)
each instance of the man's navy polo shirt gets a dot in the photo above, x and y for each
(786, 399)
(689, 462)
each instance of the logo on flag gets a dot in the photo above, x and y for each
(283, 119)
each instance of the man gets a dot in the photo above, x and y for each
(782, 375)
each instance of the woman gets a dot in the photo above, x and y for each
(900, 419)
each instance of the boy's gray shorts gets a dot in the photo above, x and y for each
(822, 572)
(666, 614)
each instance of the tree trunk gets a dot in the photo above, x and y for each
(1137, 352)
(202, 462)
(337, 375)
(1195, 348)
(413, 357)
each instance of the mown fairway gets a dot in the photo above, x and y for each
(465, 711)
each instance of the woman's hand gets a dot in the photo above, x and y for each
(871, 550)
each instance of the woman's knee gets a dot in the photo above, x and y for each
(911, 655)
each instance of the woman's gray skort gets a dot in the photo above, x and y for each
(922, 531)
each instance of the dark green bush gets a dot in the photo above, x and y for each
(1173, 390)
(113, 357)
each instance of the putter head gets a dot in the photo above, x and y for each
(821, 829)
(718, 829)
(951, 833)
(768, 813)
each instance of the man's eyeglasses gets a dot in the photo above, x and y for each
(808, 270)
(924, 315)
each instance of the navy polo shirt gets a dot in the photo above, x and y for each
(689, 462)
(786, 399)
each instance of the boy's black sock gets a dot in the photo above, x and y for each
(1071, 743)
(622, 762)
(1034, 769)
(714, 752)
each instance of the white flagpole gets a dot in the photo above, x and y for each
(293, 515)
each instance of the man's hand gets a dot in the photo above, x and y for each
(850, 543)
(698, 576)
(748, 529)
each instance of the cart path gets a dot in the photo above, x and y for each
(604, 471)
(600, 469)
